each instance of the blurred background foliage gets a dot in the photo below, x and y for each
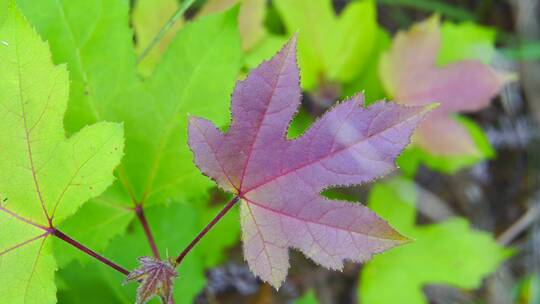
(473, 218)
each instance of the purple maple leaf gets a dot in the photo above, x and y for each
(155, 277)
(279, 181)
(409, 74)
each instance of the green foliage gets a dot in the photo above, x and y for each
(95, 224)
(91, 283)
(466, 40)
(527, 50)
(307, 298)
(331, 48)
(202, 82)
(444, 253)
(44, 177)
(225, 234)
(527, 291)
(368, 80)
(264, 50)
(95, 40)
(173, 226)
(157, 161)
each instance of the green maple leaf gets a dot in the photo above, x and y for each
(44, 177)
(195, 75)
(444, 253)
(170, 238)
(329, 46)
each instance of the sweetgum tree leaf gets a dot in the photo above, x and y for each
(195, 75)
(458, 42)
(279, 180)
(409, 74)
(443, 253)
(148, 18)
(335, 47)
(44, 177)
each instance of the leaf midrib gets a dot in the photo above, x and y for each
(26, 130)
(261, 122)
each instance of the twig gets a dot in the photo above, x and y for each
(179, 12)
(519, 226)
(59, 234)
(216, 219)
(140, 214)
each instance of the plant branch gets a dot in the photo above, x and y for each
(179, 12)
(59, 234)
(519, 226)
(140, 214)
(201, 234)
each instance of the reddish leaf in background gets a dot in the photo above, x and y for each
(409, 74)
(279, 181)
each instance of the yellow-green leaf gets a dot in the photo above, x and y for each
(44, 176)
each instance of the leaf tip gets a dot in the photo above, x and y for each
(404, 240)
(432, 106)
(291, 45)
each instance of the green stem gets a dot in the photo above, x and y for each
(179, 12)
